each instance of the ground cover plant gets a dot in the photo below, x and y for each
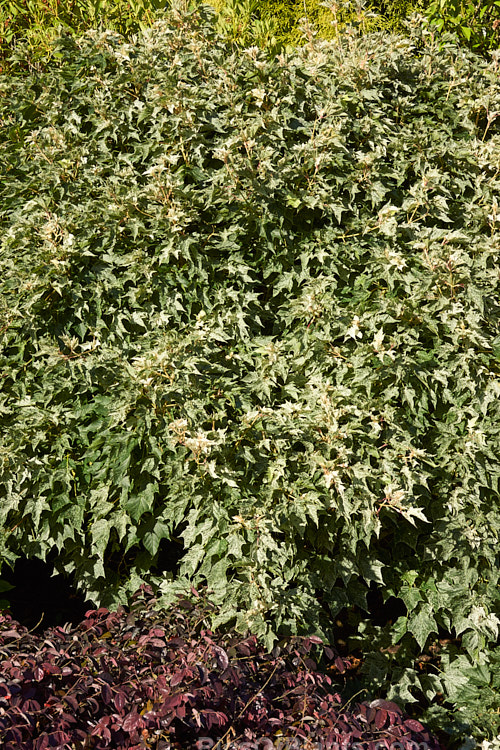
(129, 679)
(250, 339)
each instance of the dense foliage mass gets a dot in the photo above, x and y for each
(151, 678)
(250, 327)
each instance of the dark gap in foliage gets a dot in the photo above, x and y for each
(169, 556)
(38, 600)
(166, 560)
(383, 613)
(343, 629)
(487, 123)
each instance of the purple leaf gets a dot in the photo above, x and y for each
(15, 734)
(11, 634)
(71, 701)
(66, 719)
(339, 663)
(203, 673)
(387, 705)
(133, 721)
(176, 642)
(158, 642)
(242, 648)
(42, 742)
(5, 693)
(177, 677)
(50, 668)
(181, 712)
(172, 701)
(221, 657)
(414, 726)
(59, 738)
(99, 727)
(106, 694)
(119, 701)
(158, 632)
(94, 705)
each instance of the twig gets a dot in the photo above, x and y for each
(246, 706)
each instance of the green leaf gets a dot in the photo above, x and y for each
(411, 597)
(151, 539)
(99, 533)
(138, 503)
(422, 624)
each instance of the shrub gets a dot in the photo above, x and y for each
(250, 333)
(126, 680)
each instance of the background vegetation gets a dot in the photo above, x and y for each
(270, 24)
